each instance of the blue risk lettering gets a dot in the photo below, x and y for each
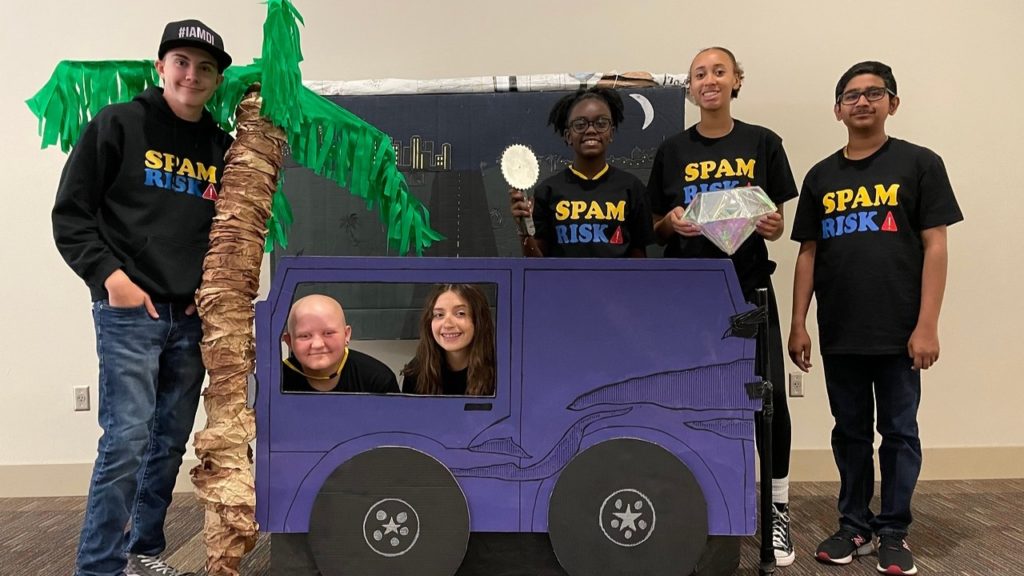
(848, 224)
(690, 191)
(582, 233)
(176, 183)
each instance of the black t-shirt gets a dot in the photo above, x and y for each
(600, 218)
(687, 164)
(453, 382)
(361, 373)
(866, 217)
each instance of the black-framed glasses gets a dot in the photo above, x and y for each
(601, 125)
(873, 94)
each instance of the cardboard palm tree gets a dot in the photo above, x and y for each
(273, 111)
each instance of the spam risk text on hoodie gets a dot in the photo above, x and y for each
(137, 193)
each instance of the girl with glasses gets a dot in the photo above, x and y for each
(590, 209)
(720, 152)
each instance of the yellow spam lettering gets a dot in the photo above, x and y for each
(842, 200)
(592, 210)
(207, 174)
(154, 159)
(186, 169)
(706, 168)
(170, 160)
(616, 211)
(721, 169)
(161, 160)
(745, 167)
(887, 196)
(157, 160)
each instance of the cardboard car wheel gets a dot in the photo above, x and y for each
(627, 507)
(389, 512)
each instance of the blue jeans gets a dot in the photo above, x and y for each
(857, 385)
(150, 377)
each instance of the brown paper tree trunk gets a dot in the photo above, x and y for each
(231, 270)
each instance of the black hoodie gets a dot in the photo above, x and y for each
(137, 193)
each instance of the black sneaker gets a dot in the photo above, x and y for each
(894, 556)
(843, 546)
(140, 565)
(781, 540)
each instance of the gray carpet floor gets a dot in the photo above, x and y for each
(962, 528)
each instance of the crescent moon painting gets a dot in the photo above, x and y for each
(647, 108)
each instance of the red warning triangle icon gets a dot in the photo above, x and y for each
(890, 223)
(210, 193)
(617, 237)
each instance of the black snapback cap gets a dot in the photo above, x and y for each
(197, 35)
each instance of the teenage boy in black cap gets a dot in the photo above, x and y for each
(871, 222)
(132, 218)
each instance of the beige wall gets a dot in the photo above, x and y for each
(957, 65)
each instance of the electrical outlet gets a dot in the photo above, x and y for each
(796, 384)
(81, 398)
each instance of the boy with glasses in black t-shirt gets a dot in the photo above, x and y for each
(871, 222)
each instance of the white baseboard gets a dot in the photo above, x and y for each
(977, 463)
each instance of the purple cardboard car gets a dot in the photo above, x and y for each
(621, 424)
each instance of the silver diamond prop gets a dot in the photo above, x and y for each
(728, 217)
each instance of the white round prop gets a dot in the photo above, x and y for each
(519, 167)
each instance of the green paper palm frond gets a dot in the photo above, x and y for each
(280, 219)
(337, 145)
(77, 91)
(341, 147)
(225, 100)
(281, 54)
(323, 137)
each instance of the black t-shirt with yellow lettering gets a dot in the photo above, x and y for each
(689, 163)
(866, 217)
(600, 218)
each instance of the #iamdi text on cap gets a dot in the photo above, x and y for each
(196, 32)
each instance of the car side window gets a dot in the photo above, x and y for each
(403, 339)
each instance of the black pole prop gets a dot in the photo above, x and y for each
(767, 565)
